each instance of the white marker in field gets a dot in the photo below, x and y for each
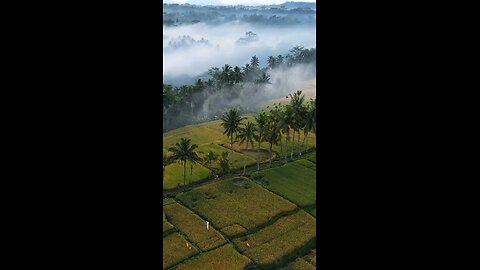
(207, 225)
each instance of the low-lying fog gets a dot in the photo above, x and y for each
(190, 50)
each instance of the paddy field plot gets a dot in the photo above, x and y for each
(282, 238)
(193, 227)
(294, 181)
(224, 257)
(299, 264)
(237, 202)
(175, 250)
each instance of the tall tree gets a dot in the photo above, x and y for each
(184, 152)
(297, 102)
(261, 120)
(247, 134)
(231, 121)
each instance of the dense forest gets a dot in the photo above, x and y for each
(285, 14)
(225, 87)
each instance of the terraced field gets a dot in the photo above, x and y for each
(175, 250)
(294, 181)
(224, 257)
(253, 205)
(193, 227)
(269, 245)
(174, 174)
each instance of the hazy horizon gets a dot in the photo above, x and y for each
(234, 2)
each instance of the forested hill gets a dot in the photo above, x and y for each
(289, 13)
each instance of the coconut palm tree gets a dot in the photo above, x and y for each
(309, 121)
(225, 163)
(297, 102)
(272, 134)
(284, 125)
(209, 157)
(231, 124)
(261, 120)
(247, 134)
(184, 152)
(166, 161)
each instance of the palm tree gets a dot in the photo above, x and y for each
(309, 121)
(297, 103)
(247, 134)
(231, 124)
(285, 124)
(225, 163)
(184, 152)
(166, 161)
(261, 120)
(209, 157)
(272, 134)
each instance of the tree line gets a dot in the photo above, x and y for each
(276, 126)
(183, 105)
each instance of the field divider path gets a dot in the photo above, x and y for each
(192, 257)
(235, 173)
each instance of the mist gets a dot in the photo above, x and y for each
(190, 50)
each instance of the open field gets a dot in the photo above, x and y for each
(294, 181)
(174, 174)
(224, 257)
(193, 227)
(280, 239)
(236, 158)
(175, 250)
(235, 201)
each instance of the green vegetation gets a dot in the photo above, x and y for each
(175, 250)
(235, 201)
(299, 264)
(294, 181)
(193, 227)
(173, 174)
(269, 245)
(224, 257)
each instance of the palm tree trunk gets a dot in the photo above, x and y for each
(287, 140)
(184, 174)
(293, 144)
(303, 143)
(298, 144)
(191, 172)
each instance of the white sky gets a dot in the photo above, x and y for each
(234, 2)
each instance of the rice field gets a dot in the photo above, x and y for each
(175, 250)
(283, 237)
(235, 201)
(224, 257)
(295, 181)
(193, 227)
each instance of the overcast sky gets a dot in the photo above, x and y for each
(235, 2)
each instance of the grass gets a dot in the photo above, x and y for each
(236, 158)
(294, 181)
(224, 257)
(174, 175)
(270, 244)
(175, 250)
(193, 227)
(235, 201)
